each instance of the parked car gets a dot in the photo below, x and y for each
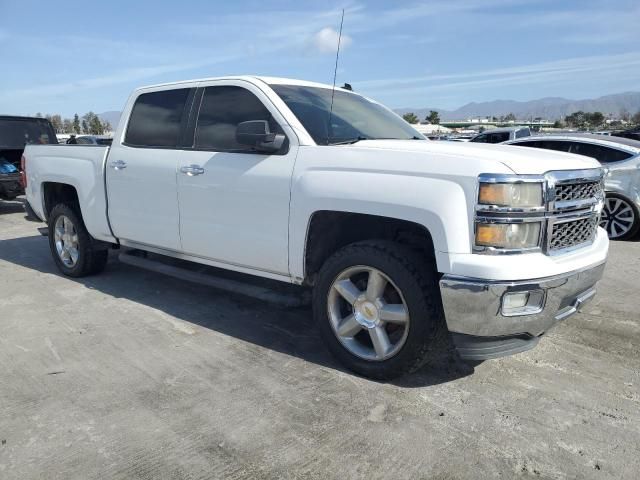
(15, 133)
(400, 238)
(633, 134)
(460, 138)
(621, 156)
(93, 140)
(499, 135)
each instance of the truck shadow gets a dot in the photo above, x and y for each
(285, 330)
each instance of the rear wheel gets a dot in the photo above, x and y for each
(75, 252)
(620, 217)
(378, 308)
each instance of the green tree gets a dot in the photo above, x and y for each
(85, 126)
(576, 120)
(510, 118)
(410, 118)
(76, 124)
(433, 118)
(636, 118)
(595, 119)
(558, 124)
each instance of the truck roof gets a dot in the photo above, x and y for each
(250, 78)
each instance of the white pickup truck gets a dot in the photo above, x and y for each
(403, 240)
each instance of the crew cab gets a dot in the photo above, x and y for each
(402, 239)
(15, 133)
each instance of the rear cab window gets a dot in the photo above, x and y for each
(16, 132)
(157, 119)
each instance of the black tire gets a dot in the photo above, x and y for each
(92, 257)
(625, 202)
(417, 281)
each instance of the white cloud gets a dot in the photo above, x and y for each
(326, 40)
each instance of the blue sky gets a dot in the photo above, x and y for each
(71, 56)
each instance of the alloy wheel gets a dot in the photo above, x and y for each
(618, 217)
(66, 241)
(368, 313)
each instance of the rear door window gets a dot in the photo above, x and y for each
(156, 119)
(601, 153)
(523, 132)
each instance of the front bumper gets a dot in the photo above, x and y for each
(474, 310)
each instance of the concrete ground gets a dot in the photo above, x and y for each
(130, 375)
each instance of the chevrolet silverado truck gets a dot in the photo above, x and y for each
(403, 240)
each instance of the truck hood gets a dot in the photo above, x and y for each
(520, 160)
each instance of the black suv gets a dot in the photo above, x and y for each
(15, 133)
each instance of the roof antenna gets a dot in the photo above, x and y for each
(335, 72)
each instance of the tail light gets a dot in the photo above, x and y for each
(23, 173)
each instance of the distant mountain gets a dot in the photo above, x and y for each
(111, 117)
(551, 108)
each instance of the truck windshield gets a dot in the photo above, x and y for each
(18, 132)
(353, 118)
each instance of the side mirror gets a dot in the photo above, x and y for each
(256, 134)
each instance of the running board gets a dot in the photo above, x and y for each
(290, 300)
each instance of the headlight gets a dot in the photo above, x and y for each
(513, 195)
(508, 235)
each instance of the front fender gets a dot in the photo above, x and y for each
(438, 204)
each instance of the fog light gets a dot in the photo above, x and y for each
(515, 300)
(522, 303)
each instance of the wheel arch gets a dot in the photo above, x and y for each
(330, 230)
(54, 193)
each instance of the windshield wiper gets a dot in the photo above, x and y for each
(350, 141)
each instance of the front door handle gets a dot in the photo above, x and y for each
(118, 165)
(192, 170)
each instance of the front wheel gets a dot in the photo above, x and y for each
(75, 252)
(620, 217)
(377, 305)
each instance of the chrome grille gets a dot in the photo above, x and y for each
(572, 233)
(577, 191)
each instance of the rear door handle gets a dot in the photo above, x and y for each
(118, 165)
(192, 170)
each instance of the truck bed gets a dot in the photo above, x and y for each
(81, 166)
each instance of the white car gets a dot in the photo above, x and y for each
(402, 239)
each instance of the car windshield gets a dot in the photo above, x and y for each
(353, 117)
(16, 133)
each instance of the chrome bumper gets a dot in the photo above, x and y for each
(474, 306)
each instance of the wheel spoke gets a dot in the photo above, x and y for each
(349, 327)
(616, 206)
(380, 341)
(394, 313)
(626, 213)
(614, 229)
(621, 228)
(73, 255)
(375, 285)
(347, 290)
